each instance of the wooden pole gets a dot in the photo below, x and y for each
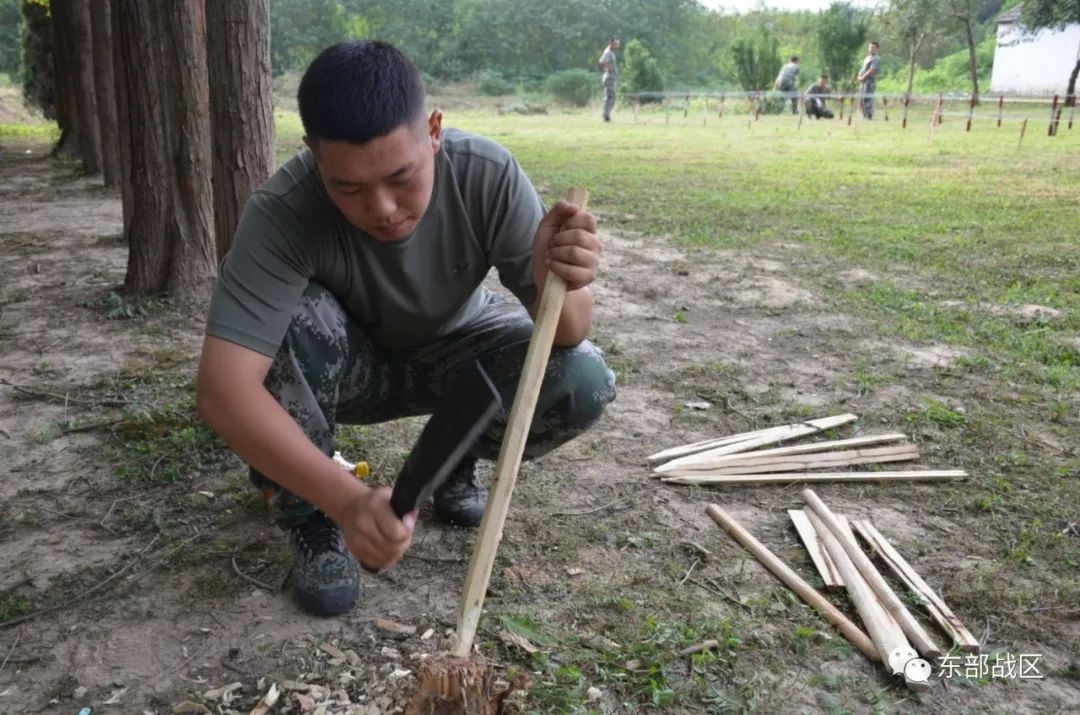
(1072, 111)
(720, 112)
(885, 106)
(934, 118)
(705, 112)
(971, 112)
(919, 637)
(793, 581)
(1023, 128)
(927, 596)
(1053, 111)
(907, 102)
(941, 108)
(703, 478)
(667, 108)
(686, 107)
(1001, 108)
(513, 446)
(842, 100)
(709, 443)
(637, 105)
(884, 631)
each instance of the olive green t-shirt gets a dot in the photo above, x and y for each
(483, 213)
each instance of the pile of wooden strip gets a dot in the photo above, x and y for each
(736, 459)
(896, 638)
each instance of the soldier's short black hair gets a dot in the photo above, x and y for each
(794, 58)
(359, 90)
(876, 44)
(613, 38)
(824, 76)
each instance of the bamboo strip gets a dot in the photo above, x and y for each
(793, 581)
(788, 432)
(822, 561)
(709, 443)
(929, 599)
(812, 447)
(919, 637)
(702, 478)
(797, 462)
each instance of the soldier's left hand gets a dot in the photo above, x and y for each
(566, 244)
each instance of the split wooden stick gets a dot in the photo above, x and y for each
(513, 446)
(885, 632)
(914, 630)
(705, 444)
(799, 462)
(691, 477)
(772, 437)
(822, 561)
(930, 600)
(827, 446)
(793, 581)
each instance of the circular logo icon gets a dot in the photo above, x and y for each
(899, 657)
(917, 670)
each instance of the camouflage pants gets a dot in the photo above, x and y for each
(868, 105)
(609, 97)
(328, 372)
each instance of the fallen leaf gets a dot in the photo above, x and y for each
(295, 685)
(115, 697)
(218, 693)
(574, 571)
(392, 653)
(187, 707)
(267, 701)
(306, 702)
(697, 405)
(332, 651)
(352, 657)
(400, 673)
(519, 641)
(633, 664)
(427, 634)
(593, 694)
(393, 626)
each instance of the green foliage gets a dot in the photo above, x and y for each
(37, 58)
(300, 29)
(842, 33)
(641, 71)
(1050, 13)
(115, 306)
(950, 72)
(574, 87)
(10, 25)
(494, 84)
(757, 60)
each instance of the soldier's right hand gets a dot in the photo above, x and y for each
(373, 532)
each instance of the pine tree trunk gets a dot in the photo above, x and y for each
(1070, 88)
(161, 56)
(82, 58)
(64, 84)
(105, 89)
(123, 122)
(241, 102)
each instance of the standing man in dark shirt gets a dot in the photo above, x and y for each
(787, 81)
(868, 80)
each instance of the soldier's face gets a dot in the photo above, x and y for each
(383, 187)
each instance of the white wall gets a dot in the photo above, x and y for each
(1039, 63)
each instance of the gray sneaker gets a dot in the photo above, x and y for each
(461, 499)
(325, 577)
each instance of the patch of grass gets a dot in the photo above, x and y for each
(38, 132)
(116, 306)
(13, 606)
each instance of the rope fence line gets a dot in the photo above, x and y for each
(757, 101)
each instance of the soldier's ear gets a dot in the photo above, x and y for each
(435, 130)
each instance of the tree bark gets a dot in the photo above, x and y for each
(105, 89)
(64, 84)
(162, 48)
(123, 123)
(241, 103)
(82, 58)
(1070, 88)
(911, 63)
(971, 56)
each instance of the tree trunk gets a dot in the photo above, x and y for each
(971, 57)
(123, 122)
(162, 50)
(241, 102)
(82, 58)
(64, 84)
(1070, 88)
(911, 64)
(105, 89)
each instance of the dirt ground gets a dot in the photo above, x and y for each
(146, 572)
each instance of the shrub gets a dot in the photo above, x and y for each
(574, 87)
(493, 84)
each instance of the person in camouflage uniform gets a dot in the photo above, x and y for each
(868, 80)
(787, 81)
(353, 294)
(611, 75)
